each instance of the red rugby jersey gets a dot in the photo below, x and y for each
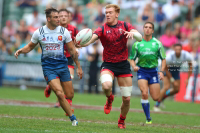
(73, 31)
(114, 41)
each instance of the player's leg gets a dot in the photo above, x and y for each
(175, 85)
(166, 86)
(125, 84)
(69, 92)
(65, 78)
(174, 90)
(71, 69)
(47, 91)
(106, 78)
(57, 88)
(143, 85)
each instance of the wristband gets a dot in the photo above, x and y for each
(137, 36)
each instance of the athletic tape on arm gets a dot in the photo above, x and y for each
(126, 91)
(105, 78)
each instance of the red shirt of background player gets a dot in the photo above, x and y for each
(114, 41)
(73, 31)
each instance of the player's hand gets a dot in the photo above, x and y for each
(77, 44)
(161, 75)
(17, 53)
(79, 72)
(136, 68)
(128, 34)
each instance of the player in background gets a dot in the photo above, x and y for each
(148, 51)
(114, 35)
(174, 60)
(64, 22)
(52, 39)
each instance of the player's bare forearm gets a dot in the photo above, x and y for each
(92, 40)
(132, 62)
(190, 69)
(74, 54)
(163, 66)
(30, 46)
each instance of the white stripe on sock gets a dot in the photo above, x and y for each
(144, 101)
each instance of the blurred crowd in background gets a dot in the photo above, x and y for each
(176, 21)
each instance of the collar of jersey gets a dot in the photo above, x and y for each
(113, 26)
(147, 41)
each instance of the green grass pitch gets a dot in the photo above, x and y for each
(24, 119)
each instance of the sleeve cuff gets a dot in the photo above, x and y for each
(68, 41)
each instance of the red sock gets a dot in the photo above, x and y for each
(69, 101)
(110, 97)
(122, 118)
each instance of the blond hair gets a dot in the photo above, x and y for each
(116, 7)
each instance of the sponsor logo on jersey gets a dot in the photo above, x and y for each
(60, 38)
(43, 39)
(141, 45)
(108, 31)
(120, 31)
(148, 49)
(52, 46)
(147, 52)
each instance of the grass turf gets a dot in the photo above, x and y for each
(38, 119)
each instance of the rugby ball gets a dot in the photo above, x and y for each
(84, 36)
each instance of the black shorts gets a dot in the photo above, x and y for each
(70, 62)
(119, 69)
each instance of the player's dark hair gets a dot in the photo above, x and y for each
(64, 10)
(48, 11)
(177, 44)
(149, 23)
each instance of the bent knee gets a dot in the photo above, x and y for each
(126, 100)
(155, 98)
(145, 95)
(166, 87)
(107, 85)
(60, 94)
(176, 90)
(70, 95)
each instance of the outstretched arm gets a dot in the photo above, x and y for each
(25, 49)
(133, 34)
(92, 40)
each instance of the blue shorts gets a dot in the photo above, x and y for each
(62, 73)
(149, 74)
(175, 71)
